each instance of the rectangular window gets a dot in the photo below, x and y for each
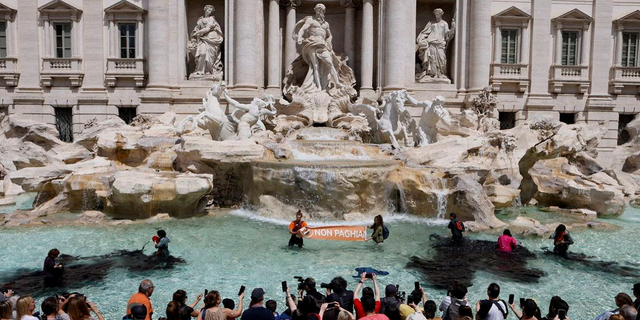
(3, 39)
(509, 46)
(127, 40)
(64, 123)
(629, 49)
(507, 120)
(623, 121)
(570, 52)
(568, 118)
(127, 114)
(63, 40)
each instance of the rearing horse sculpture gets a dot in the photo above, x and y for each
(390, 121)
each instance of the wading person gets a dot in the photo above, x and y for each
(378, 230)
(163, 244)
(52, 271)
(295, 228)
(561, 240)
(506, 243)
(457, 228)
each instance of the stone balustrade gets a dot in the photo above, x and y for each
(570, 76)
(125, 69)
(9, 72)
(61, 68)
(625, 77)
(502, 73)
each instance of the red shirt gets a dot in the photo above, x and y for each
(506, 243)
(360, 310)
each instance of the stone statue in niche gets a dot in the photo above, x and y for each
(426, 131)
(319, 85)
(204, 45)
(432, 49)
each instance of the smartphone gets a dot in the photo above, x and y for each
(417, 285)
(241, 290)
(284, 286)
(562, 314)
(522, 302)
(206, 292)
(397, 288)
(512, 298)
(368, 275)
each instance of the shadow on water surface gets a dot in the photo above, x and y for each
(460, 262)
(82, 270)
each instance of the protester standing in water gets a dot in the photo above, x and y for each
(506, 243)
(457, 228)
(163, 244)
(52, 271)
(378, 230)
(294, 229)
(561, 240)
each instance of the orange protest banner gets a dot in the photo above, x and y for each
(339, 233)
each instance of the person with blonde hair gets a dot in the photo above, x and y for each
(78, 309)
(6, 310)
(25, 306)
(213, 311)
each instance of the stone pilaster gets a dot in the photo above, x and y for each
(479, 49)
(366, 49)
(273, 80)
(540, 63)
(29, 61)
(601, 60)
(158, 54)
(93, 59)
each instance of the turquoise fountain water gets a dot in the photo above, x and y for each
(229, 250)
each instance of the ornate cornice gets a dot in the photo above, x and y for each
(290, 3)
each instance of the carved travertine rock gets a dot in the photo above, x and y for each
(432, 49)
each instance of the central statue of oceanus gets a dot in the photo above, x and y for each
(319, 85)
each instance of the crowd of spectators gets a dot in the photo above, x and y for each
(335, 303)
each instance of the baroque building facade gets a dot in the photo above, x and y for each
(66, 62)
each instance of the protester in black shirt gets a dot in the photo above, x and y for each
(457, 228)
(52, 271)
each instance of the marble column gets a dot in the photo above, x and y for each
(366, 50)
(541, 42)
(273, 63)
(290, 45)
(525, 45)
(397, 26)
(497, 43)
(479, 51)
(349, 31)
(246, 44)
(158, 54)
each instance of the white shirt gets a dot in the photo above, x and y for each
(495, 313)
(29, 318)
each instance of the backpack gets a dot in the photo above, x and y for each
(391, 308)
(385, 232)
(459, 225)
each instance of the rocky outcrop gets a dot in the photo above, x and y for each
(559, 183)
(141, 195)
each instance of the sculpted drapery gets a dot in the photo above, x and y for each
(432, 48)
(205, 43)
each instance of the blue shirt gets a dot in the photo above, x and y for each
(257, 313)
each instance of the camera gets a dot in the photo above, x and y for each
(326, 286)
(300, 283)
